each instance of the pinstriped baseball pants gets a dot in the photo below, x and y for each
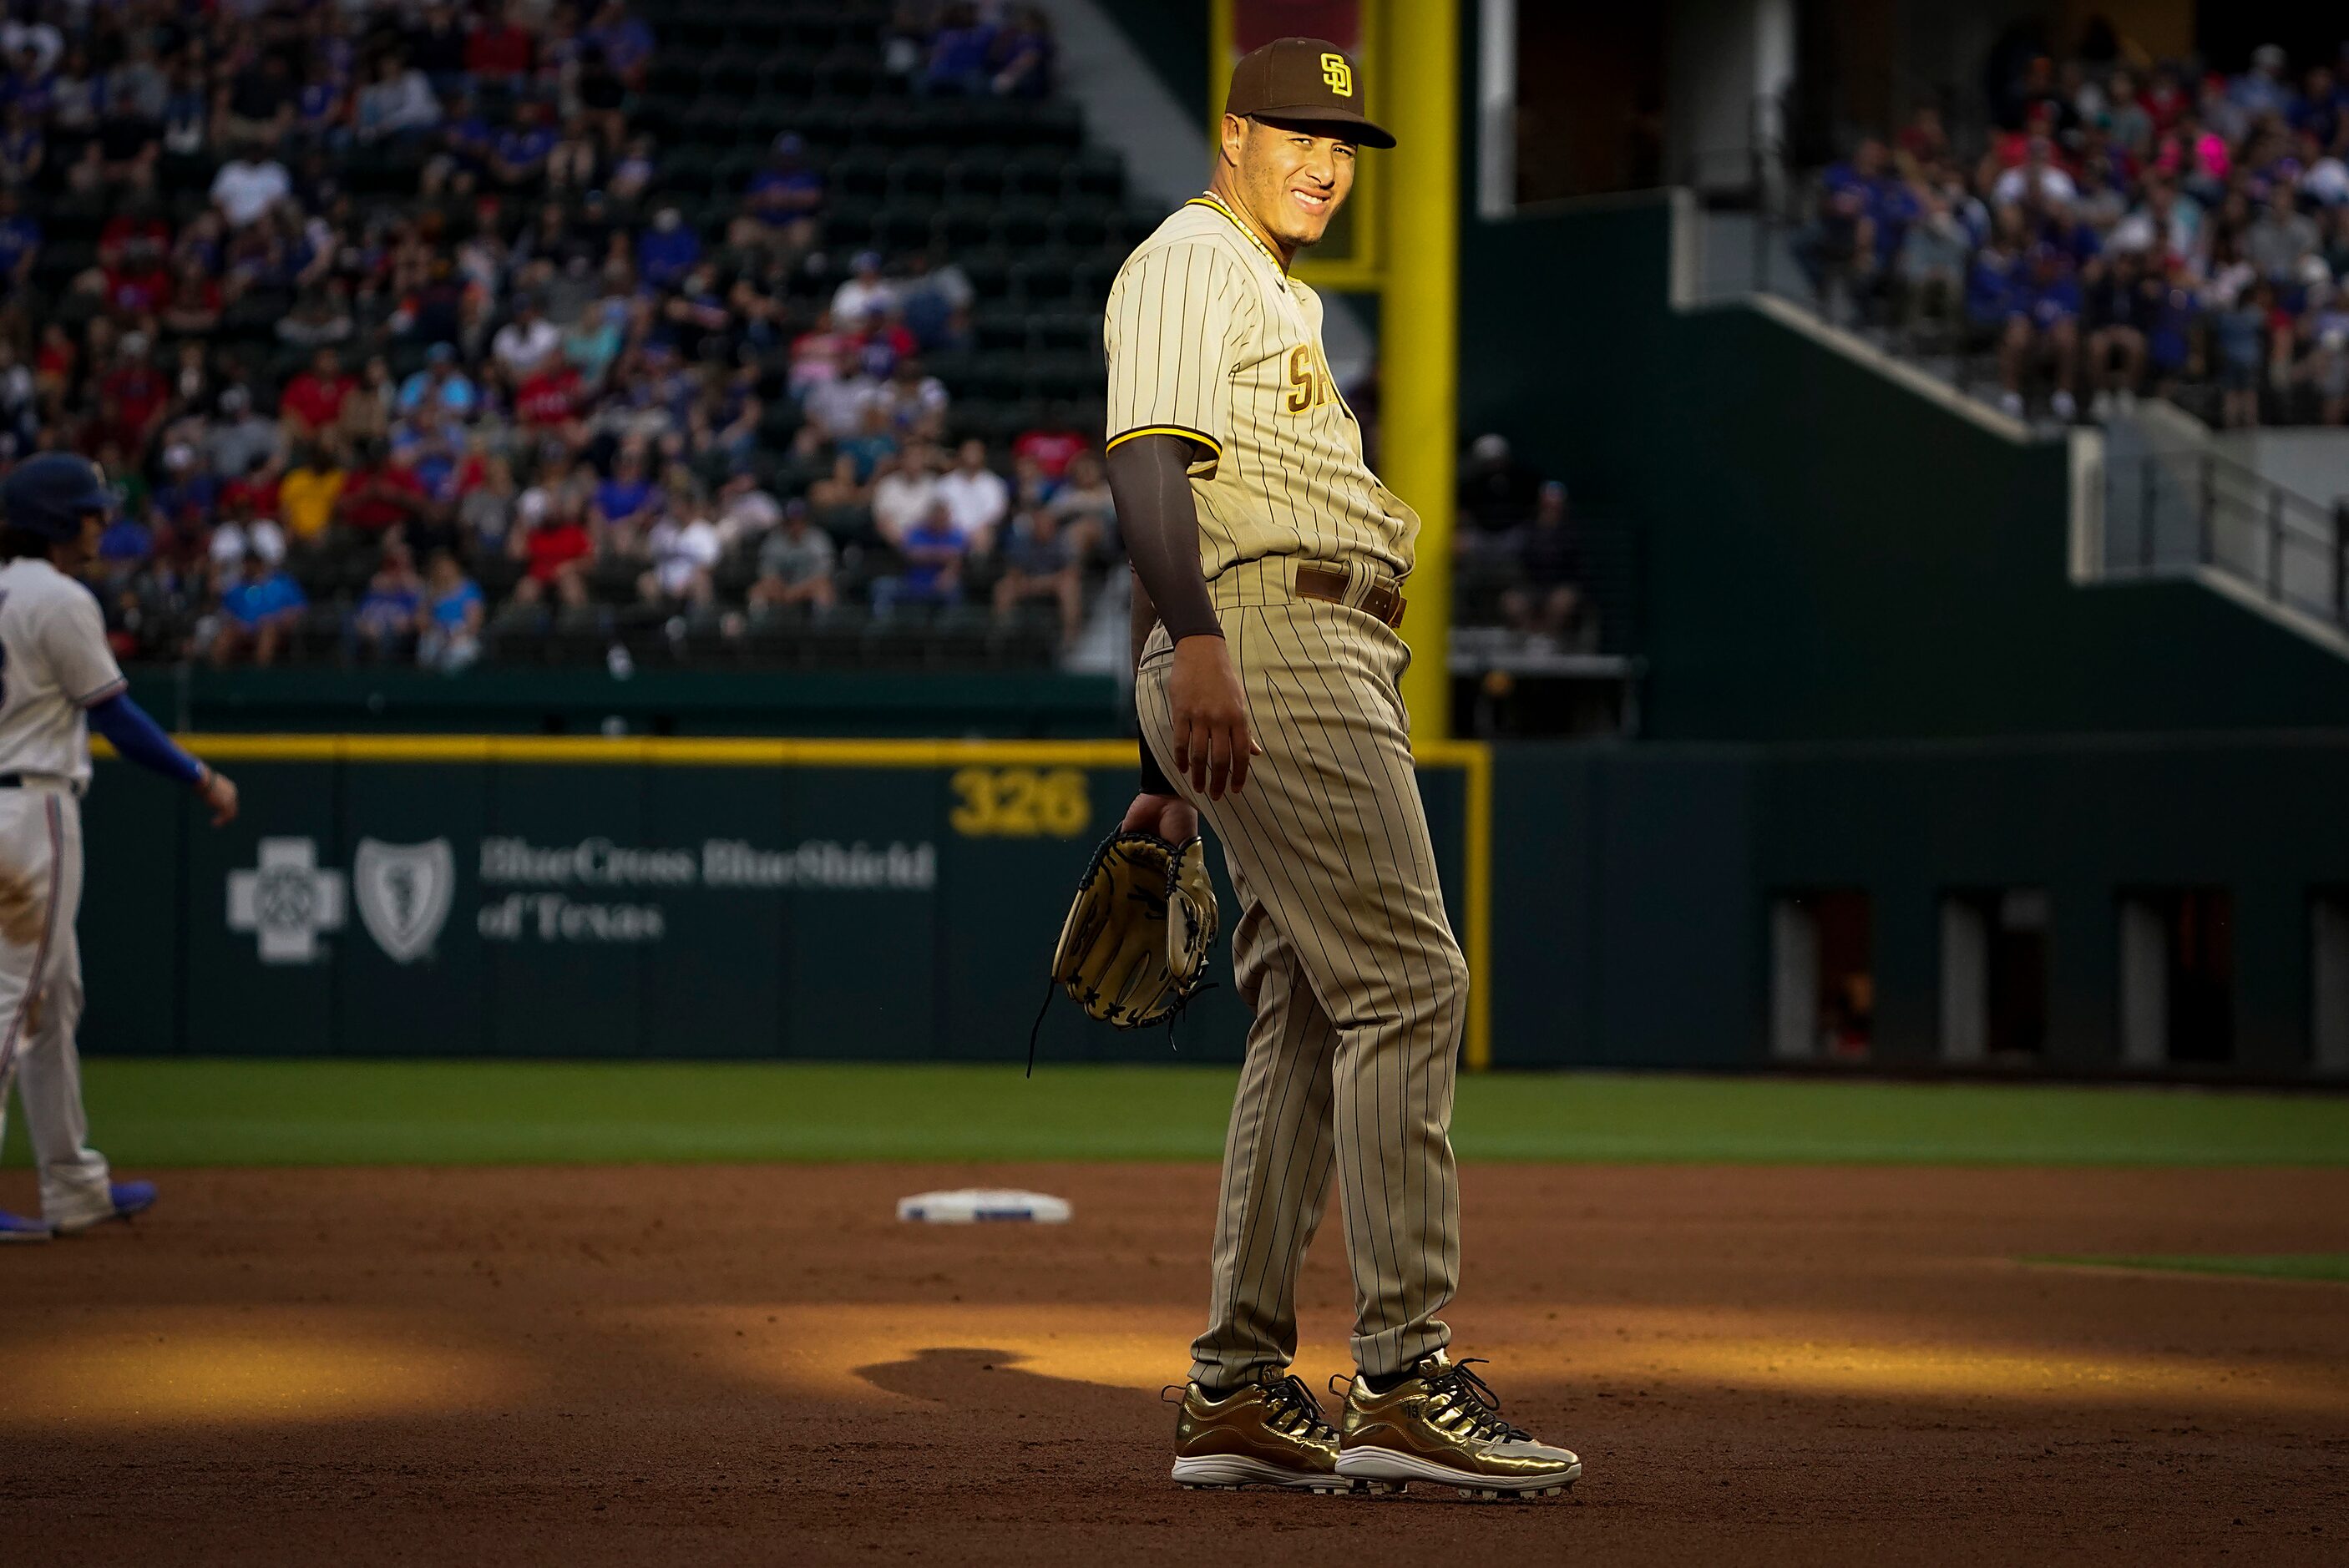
(1344, 953)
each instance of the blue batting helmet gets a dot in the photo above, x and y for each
(50, 495)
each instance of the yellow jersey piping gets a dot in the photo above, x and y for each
(1182, 431)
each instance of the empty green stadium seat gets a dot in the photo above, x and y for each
(960, 226)
(918, 178)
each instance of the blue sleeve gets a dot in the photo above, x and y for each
(137, 737)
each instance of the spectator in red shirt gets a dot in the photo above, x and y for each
(194, 306)
(499, 48)
(138, 392)
(559, 550)
(382, 495)
(313, 399)
(140, 223)
(549, 399)
(1050, 448)
(256, 489)
(138, 284)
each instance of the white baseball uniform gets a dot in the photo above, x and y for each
(54, 663)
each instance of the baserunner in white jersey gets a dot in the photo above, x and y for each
(58, 680)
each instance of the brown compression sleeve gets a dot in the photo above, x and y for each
(1146, 616)
(1161, 524)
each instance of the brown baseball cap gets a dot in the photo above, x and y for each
(1303, 81)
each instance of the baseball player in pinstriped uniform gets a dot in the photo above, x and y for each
(57, 681)
(1268, 563)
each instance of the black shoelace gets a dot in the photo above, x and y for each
(1290, 1399)
(1479, 1407)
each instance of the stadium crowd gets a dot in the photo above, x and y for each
(2129, 228)
(384, 326)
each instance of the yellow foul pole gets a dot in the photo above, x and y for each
(1419, 326)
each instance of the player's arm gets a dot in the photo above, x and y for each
(1149, 478)
(141, 740)
(73, 635)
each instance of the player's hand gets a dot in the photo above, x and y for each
(1171, 817)
(1211, 739)
(217, 791)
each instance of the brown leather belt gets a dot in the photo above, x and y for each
(1383, 598)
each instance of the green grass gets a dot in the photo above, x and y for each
(2329, 1267)
(160, 1112)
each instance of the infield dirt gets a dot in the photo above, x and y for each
(723, 1364)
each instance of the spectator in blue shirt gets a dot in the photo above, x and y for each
(1994, 275)
(125, 542)
(1842, 243)
(519, 155)
(1894, 209)
(20, 241)
(2322, 110)
(668, 251)
(2042, 331)
(2262, 89)
(933, 551)
(190, 493)
(624, 503)
(2241, 334)
(626, 43)
(786, 189)
(22, 147)
(451, 628)
(257, 613)
(466, 135)
(2172, 308)
(386, 615)
(447, 387)
(958, 55)
(1021, 55)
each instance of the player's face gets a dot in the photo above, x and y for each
(1294, 180)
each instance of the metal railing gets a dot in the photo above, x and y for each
(2169, 511)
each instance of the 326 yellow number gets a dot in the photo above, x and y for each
(1021, 802)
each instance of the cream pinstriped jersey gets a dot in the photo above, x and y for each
(1209, 339)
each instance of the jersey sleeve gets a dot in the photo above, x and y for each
(73, 638)
(1172, 333)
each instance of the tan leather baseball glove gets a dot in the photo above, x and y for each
(1133, 950)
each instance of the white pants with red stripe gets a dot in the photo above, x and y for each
(40, 994)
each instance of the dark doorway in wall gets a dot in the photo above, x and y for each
(1822, 979)
(2328, 974)
(1994, 974)
(2178, 975)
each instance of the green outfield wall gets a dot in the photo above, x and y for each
(423, 895)
(878, 900)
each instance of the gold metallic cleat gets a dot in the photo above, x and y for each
(1270, 1432)
(1441, 1424)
